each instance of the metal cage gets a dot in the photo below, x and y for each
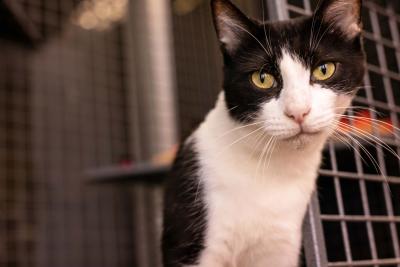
(72, 100)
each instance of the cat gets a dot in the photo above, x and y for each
(241, 183)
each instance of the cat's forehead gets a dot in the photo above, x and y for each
(291, 35)
(285, 30)
(271, 42)
(288, 25)
(302, 38)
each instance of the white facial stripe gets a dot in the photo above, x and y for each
(293, 71)
(296, 91)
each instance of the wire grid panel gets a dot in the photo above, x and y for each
(359, 203)
(16, 222)
(62, 111)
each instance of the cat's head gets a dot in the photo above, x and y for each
(296, 76)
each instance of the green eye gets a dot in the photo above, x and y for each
(263, 80)
(324, 71)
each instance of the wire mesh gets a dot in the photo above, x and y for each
(359, 201)
(63, 111)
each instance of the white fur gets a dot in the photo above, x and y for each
(255, 205)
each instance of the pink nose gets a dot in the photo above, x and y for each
(298, 116)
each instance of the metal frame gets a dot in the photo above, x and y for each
(149, 29)
(278, 10)
(313, 239)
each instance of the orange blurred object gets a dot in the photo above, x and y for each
(364, 123)
(165, 157)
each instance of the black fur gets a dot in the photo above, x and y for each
(184, 212)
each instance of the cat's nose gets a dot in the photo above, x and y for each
(298, 115)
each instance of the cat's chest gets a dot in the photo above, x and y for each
(275, 190)
(257, 204)
(245, 220)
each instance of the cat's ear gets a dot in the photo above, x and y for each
(230, 23)
(345, 15)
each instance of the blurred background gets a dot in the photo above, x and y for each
(95, 95)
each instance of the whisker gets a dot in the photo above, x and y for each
(240, 139)
(369, 155)
(239, 128)
(271, 151)
(349, 145)
(373, 138)
(362, 108)
(259, 140)
(235, 107)
(312, 37)
(255, 38)
(262, 156)
(366, 137)
(376, 166)
(375, 123)
(268, 155)
(330, 26)
(265, 32)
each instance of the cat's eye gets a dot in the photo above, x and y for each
(263, 80)
(324, 71)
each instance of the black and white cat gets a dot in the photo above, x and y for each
(242, 181)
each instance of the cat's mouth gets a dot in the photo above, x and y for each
(302, 135)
